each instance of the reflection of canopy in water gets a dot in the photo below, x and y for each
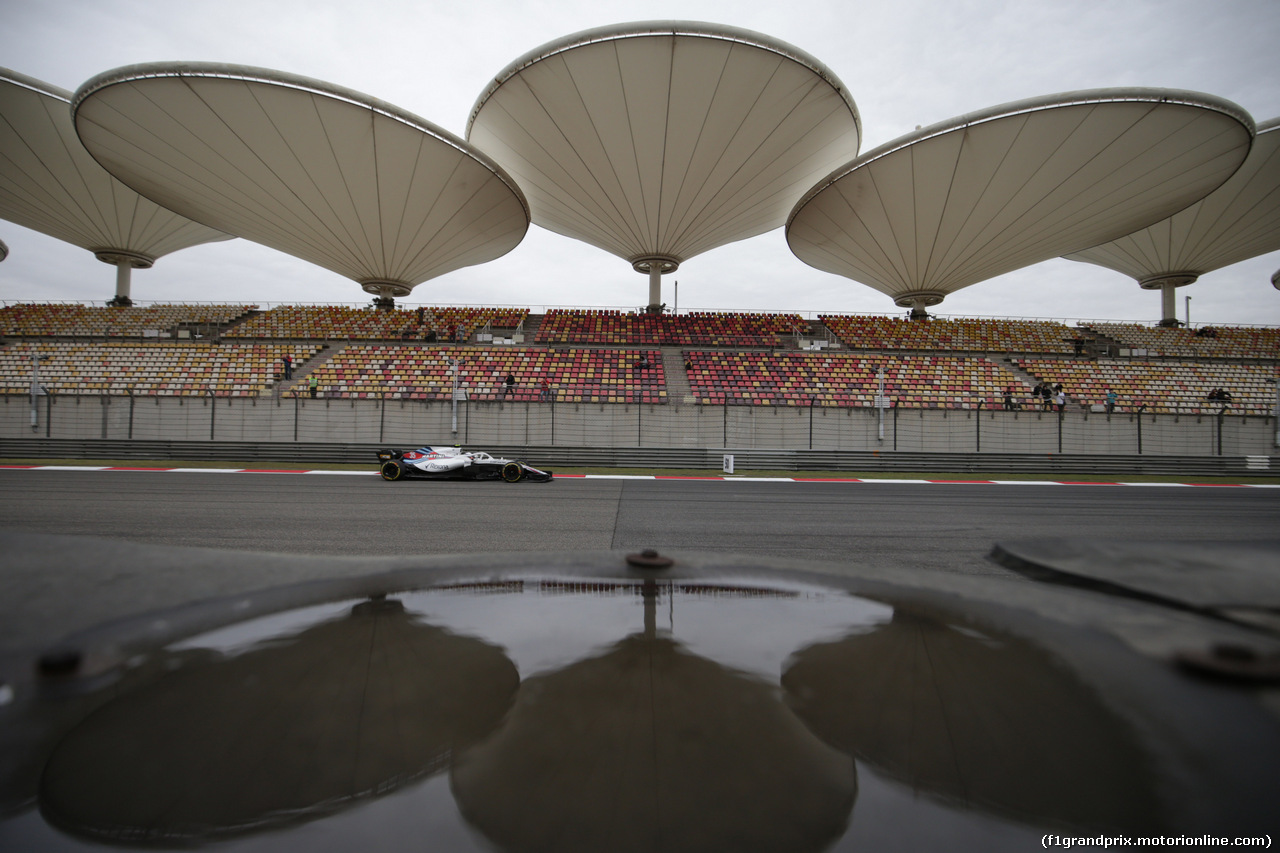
(994, 191)
(347, 182)
(290, 730)
(977, 719)
(1237, 221)
(649, 747)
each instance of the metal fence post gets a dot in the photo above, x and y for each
(812, 397)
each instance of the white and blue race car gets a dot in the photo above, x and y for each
(454, 463)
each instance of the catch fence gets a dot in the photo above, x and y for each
(508, 423)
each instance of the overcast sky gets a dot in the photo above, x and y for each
(906, 63)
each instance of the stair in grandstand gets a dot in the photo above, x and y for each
(1029, 380)
(678, 387)
(815, 335)
(238, 321)
(532, 322)
(302, 370)
(1099, 345)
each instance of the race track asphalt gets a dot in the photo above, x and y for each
(943, 527)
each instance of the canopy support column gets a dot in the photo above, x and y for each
(655, 289)
(655, 266)
(124, 281)
(918, 301)
(1165, 283)
(125, 263)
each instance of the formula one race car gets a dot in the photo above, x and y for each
(454, 463)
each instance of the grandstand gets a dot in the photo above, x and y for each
(1223, 342)
(804, 379)
(959, 335)
(332, 322)
(1164, 387)
(609, 378)
(592, 356)
(81, 321)
(161, 369)
(427, 373)
(695, 329)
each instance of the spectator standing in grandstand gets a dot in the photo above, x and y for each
(1060, 398)
(313, 384)
(288, 367)
(1008, 399)
(544, 391)
(508, 385)
(1111, 401)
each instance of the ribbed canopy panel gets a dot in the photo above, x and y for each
(328, 175)
(1238, 221)
(50, 184)
(981, 195)
(665, 139)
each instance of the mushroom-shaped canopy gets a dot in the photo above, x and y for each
(1237, 221)
(4, 251)
(657, 141)
(987, 193)
(50, 184)
(350, 183)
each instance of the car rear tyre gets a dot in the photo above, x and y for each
(513, 472)
(391, 470)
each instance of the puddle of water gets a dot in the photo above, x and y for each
(581, 715)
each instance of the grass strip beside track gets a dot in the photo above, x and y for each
(675, 472)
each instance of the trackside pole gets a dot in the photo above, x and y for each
(453, 369)
(880, 402)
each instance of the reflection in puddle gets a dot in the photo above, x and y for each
(976, 720)
(295, 728)
(603, 715)
(650, 747)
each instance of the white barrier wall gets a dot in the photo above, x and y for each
(403, 422)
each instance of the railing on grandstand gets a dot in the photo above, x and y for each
(554, 393)
(808, 314)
